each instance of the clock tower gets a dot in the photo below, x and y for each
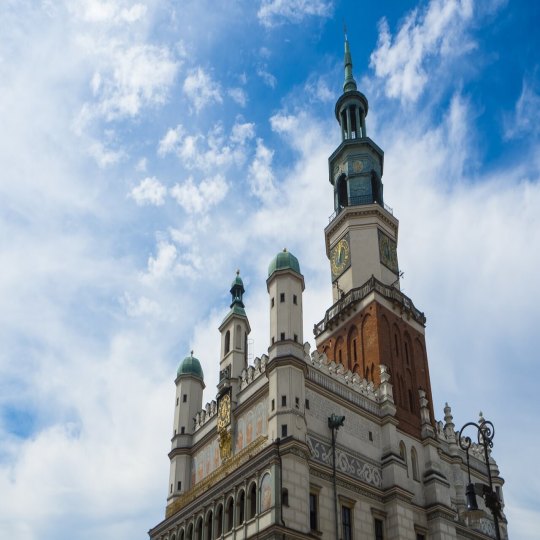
(361, 239)
(371, 322)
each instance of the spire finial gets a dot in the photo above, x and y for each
(238, 271)
(349, 84)
(191, 353)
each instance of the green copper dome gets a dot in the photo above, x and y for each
(237, 280)
(284, 260)
(190, 366)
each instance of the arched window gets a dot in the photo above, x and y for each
(208, 526)
(181, 534)
(173, 537)
(219, 520)
(252, 500)
(338, 350)
(227, 342)
(240, 506)
(229, 515)
(352, 349)
(190, 532)
(403, 454)
(199, 529)
(414, 464)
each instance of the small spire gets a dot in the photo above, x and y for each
(191, 353)
(238, 272)
(349, 84)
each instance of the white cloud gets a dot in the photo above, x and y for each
(273, 12)
(436, 31)
(132, 77)
(242, 132)
(261, 176)
(238, 95)
(267, 77)
(317, 89)
(525, 119)
(170, 141)
(141, 165)
(163, 263)
(196, 199)
(104, 157)
(116, 12)
(201, 90)
(150, 191)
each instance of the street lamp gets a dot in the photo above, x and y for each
(334, 423)
(485, 433)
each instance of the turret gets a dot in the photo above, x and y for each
(234, 330)
(285, 286)
(189, 394)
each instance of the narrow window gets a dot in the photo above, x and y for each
(282, 336)
(346, 522)
(227, 341)
(313, 511)
(354, 351)
(296, 338)
(252, 501)
(273, 340)
(371, 436)
(229, 515)
(414, 464)
(184, 398)
(396, 344)
(420, 536)
(171, 488)
(406, 353)
(378, 529)
(285, 497)
(295, 299)
(297, 402)
(273, 404)
(272, 302)
(284, 430)
(179, 486)
(282, 297)
(283, 401)
(307, 403)
(340, 357)
(175, 431)
(240, 505)
(182, 430)
(177, 400)
(411, 404)
(219, 520)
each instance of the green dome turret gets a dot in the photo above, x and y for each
(284, 260)
(190, 366)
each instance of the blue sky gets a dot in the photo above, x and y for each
(149, 149)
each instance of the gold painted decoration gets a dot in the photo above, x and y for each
(224, 412)
(225, 445)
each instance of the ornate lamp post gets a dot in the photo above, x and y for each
(485, 433)
(334, 423)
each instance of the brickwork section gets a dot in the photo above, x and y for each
(377, 336)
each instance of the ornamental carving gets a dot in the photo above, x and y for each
(225, 445)
(345, 462)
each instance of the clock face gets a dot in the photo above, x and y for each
(340, 257)
(388, 252)
(224, 412)
(358, 166)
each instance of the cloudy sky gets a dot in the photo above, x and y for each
(149, 149)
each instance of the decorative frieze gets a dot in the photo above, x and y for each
(345, 462)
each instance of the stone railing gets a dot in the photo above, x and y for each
(358, 294)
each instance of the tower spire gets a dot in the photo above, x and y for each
(349, 84)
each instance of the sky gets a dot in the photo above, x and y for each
(148, 150)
